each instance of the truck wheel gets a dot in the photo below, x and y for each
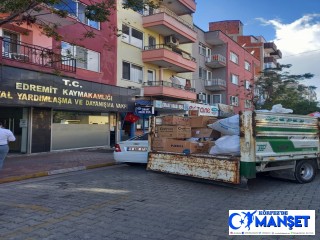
(305, 171)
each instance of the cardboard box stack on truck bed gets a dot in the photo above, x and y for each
(285, 145)
(179, 134)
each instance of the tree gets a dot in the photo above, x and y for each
(28, 11)
(278, 86)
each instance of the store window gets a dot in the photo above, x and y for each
(70, 117)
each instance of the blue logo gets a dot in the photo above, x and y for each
(248, 216)
(271, 222)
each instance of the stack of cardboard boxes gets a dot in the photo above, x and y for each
(184, 134)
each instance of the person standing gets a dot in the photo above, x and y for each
(5, 136)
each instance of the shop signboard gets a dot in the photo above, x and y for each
(147, 110)
(28, 88)
(204, 110)
(169, 105)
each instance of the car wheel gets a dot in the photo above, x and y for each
(305, 171)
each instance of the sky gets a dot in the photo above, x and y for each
(293, 25)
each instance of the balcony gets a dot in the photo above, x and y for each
(173, 58)
(180, 7)
(277, 54)
(169, 90)
(270, 47)
(215, 84)
(270, 60)
(23, 53)
(166, 23)
(216, 61)
(215, 38)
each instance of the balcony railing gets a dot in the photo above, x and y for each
(184, 54)
(153, 11)
(216, 61)
(216, 84)
(36, 55)
(168, 84)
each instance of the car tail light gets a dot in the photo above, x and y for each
(117, 148)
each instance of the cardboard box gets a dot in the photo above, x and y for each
(175, 120)
(201, 121)
(201, 132)
(207, 146)
(178, 146)
(167, 131)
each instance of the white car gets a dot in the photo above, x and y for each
(134, 150)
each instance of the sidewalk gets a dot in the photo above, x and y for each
(19, 167)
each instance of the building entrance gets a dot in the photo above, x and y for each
(14, 119)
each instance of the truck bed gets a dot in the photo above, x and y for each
(221, 168)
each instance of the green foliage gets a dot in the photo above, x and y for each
(139, 5)
(280, 86)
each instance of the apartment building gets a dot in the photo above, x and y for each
(225, 72)
(154, 56)
(266, 52)
(61, 94)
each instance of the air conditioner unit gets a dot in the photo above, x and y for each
(171, 41)
(201, 97)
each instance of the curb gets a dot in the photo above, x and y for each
(54, 172)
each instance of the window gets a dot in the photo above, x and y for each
(204, 74)
(152, 42)
(138, 8)
(214, 98)
(234, 101)
(234, 79)
(132, 36)
(247, 66)
(10, 42)
(234, 57)
(151, 75)
(202, 50)
(208, 55)
(247, 103)
(86, 58)
(77, 9)
(247, 85)
(132, 72)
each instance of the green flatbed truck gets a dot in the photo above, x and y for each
(285, 145)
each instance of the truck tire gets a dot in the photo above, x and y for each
(305, 171)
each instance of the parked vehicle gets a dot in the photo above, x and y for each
(285, 145)
(134, 150)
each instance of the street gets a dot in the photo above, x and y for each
(128, 202)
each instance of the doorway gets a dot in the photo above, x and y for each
(11, 118)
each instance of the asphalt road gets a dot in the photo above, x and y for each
(125, 202)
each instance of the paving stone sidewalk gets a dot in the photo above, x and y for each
(23, 166)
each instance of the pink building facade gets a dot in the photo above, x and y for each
(226, 70)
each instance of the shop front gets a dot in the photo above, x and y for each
(48, 112)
